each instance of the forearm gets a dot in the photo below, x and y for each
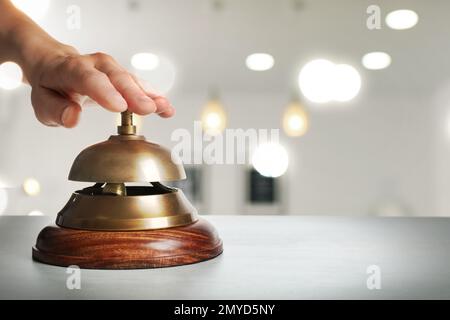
(24, 42)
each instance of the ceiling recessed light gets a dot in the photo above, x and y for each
(402, 19)
(376, 60)
(145, 61)
(315, 80)
(323, 81)
(347, 82)
(157, 75)
(259, 61)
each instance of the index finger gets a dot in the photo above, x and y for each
(88, 81)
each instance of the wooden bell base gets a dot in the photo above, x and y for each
(128, 249)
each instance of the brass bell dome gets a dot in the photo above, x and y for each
(109, 204)
(126, 157)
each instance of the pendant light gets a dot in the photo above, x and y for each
(214, 118)
(295, 119)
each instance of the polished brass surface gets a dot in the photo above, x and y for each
(115, 189)
(111, 205)
(125, 158)
(126, 127)
(141, 210)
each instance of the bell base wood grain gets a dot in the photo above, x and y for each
(176, 246)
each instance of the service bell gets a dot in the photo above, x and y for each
(111, 225)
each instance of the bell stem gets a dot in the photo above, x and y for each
(127, 118)
(126, 127)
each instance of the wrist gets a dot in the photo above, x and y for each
(36, 49)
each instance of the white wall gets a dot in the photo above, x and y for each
(441, 145)
(387, 151)
(376, 151)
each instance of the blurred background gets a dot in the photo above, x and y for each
(359, 90)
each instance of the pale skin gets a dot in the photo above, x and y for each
(60, 77)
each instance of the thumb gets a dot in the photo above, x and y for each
(52, 109)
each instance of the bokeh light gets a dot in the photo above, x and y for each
(402, 19)
(376, 60)
(323, 81)
(35, 213)
(347, 82)
(214, 119)
(35, 9)
(295, 120)
(270, 159)
(259, 61)
(31, 187)
(10, 75)
(145, 61)
(161, 78)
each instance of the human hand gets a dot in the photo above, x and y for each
(61, 78)
(59, 83)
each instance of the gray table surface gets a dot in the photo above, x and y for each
(265, 257)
